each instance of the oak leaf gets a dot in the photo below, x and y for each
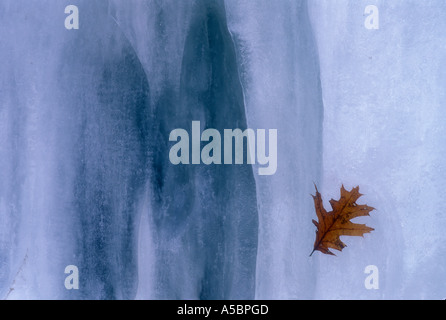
(336, 223)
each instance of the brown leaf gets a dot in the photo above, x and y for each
(337, 222)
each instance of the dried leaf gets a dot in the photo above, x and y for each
(336, 223)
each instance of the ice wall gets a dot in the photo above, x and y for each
(204, 219)
(74, 124)
(86, 154)
(85, 117)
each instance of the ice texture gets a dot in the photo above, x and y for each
(85, 176)
(384, 129)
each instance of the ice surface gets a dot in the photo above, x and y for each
(85, 177)
(384, 129)
(280, 74)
